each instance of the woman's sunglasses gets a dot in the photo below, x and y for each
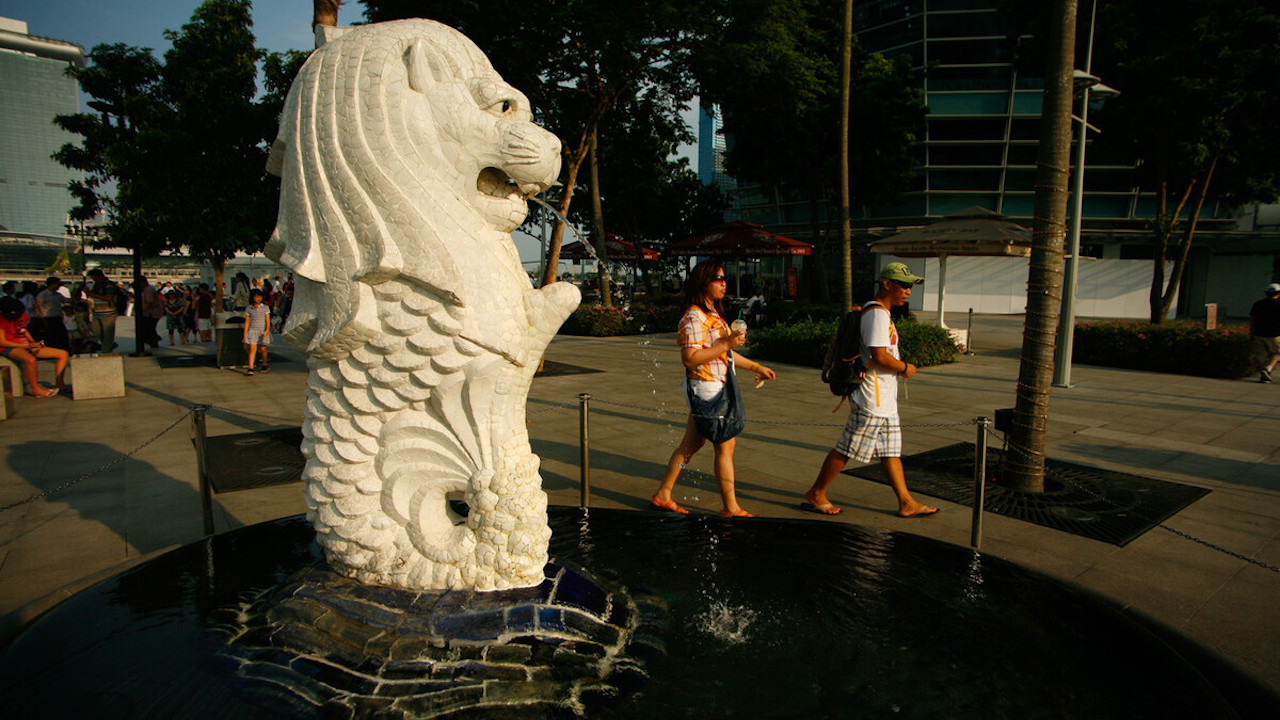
(719, 278)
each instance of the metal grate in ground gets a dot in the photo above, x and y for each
(1104, 505)
(184, 360)
(247, 461)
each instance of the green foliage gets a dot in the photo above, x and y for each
(656, 317)
(805, 342)
(924, 345)
(220, 199)
(124, 82)
(799, 343)
(640, 318)
(621, 71)
(774, 69)
(597, 321)
(1184, 348)
(183, 141)
(1205, 135)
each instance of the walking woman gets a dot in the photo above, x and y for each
(707, 350)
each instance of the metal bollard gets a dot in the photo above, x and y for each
(979, 481)
(206, 490)
(968, 336)
(584, 459)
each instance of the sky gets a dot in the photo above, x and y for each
(278, 25)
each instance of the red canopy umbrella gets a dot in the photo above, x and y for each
(740, 239)
(616, 247)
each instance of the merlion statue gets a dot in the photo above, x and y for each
(406, 162)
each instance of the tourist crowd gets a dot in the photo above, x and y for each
(54, 319)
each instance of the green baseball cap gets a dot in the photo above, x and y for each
(900, 272)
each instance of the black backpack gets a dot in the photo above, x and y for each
(843, 366)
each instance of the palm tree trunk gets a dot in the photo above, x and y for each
(846, 241)
(597, 217)
(1024, 466)
(325, 12)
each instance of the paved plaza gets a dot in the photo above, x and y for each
(1210, 571)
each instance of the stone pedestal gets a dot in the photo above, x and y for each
(6, 391)
(14, 387)
(94, 377)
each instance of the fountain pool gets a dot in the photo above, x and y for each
(765, 619)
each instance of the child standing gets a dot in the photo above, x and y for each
(257, 329)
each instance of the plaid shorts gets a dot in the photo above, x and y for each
(867, 436)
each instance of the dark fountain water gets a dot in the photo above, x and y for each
(763, 619)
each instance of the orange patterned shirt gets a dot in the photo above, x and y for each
(700, 330)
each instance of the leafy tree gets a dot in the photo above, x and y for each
(1197, 107)
(652, 197)
(577, 60)
(124, 82)
(774, 70)
(220, 199)
(184, 142)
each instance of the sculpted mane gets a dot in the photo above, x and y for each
(405, 163)
(348, 141)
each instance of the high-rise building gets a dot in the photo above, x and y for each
(34, 87)
(980, 149)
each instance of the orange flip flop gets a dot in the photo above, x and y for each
(669, 506)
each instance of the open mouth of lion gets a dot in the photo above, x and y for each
(502, 200)
(496, 183)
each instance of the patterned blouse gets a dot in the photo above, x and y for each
(700, 330)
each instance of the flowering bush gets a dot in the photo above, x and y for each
(597, 321)
(606, 321)
(656, 317)
(1185, 348)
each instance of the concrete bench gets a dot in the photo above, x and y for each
(94, 377)
(15, 375)
(7, 386)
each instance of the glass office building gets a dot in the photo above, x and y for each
(34, 88)
(980, 149)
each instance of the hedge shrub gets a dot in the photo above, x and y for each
(805, 342)
(596, 321)
(1184, 348)
(607, 321)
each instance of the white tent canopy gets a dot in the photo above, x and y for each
(974, 231)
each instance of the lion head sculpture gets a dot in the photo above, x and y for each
(405, 163)
(397, 142)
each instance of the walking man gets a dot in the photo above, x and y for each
(1264, 326)
(873, 428)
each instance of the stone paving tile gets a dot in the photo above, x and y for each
(112, 519)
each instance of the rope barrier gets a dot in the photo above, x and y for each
(117, 460)
(1009, 449)
(247, 413)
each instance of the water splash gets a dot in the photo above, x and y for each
(727, 623)
(565, 221)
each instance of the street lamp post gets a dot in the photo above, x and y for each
(1084, 83)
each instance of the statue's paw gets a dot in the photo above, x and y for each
(561, 299)
(548, 307)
